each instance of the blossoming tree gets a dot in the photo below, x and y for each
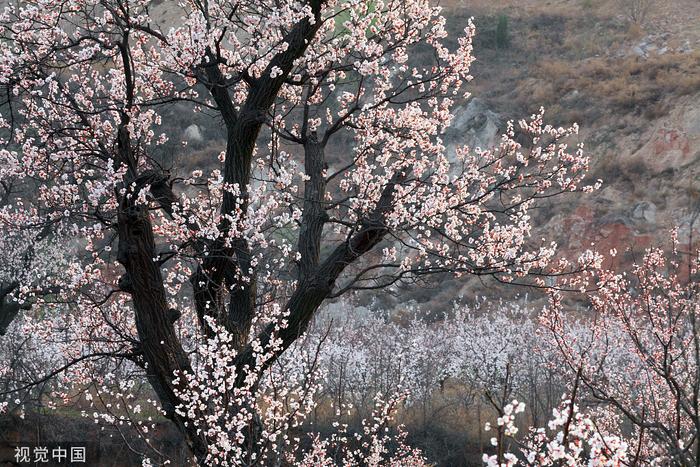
(334, 177)
(638, 354)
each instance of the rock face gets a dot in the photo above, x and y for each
(475, 125)
(658, 44)
(656, 169)
(656, 188)
(673, 142)
(645, 211)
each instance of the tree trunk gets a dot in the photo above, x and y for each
(163, 356)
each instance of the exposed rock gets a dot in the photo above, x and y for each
(639, 51)
(651, 45)
(476, 125)
(686, 47)
(673, 143)
(645, 211)
(686, 225)
(572, 96)
(192, 133)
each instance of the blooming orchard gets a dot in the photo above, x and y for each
(571, 438)
(638, 354)
(333, 177)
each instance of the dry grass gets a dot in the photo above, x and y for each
(621, 85)
(566, 55)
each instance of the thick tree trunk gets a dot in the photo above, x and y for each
(163, 356)
(8, 309)
(314, 215)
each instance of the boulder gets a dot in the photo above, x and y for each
(645, 211)
(475, 125)
(192, 134)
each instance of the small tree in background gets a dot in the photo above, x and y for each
(502, 35)
(637, 10)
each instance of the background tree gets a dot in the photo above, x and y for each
(637, 10)
(502, 35)
(638, 355)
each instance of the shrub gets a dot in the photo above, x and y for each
(502, 38)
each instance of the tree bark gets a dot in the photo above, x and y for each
(163, 356)
(314, 215)
(8, 309)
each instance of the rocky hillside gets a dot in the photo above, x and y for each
(633, 86)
